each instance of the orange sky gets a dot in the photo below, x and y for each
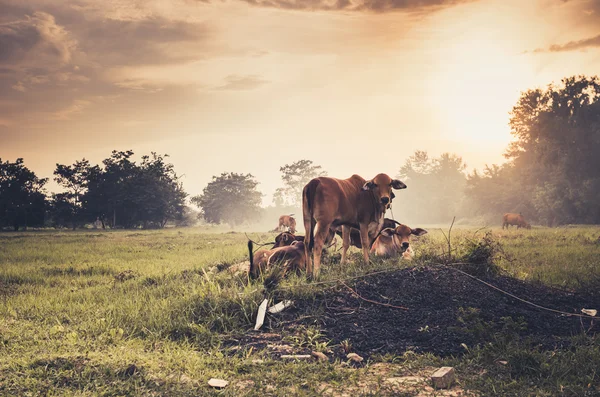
(250, 85)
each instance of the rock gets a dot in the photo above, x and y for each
(217, 383)
(319, 356)
(443, 378)
(257, 361)
(354, 357)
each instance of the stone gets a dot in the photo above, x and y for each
(217, 383)
(319, 356)
(354, 357)
(443, 378)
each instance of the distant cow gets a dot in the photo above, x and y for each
(354, 202)
(287, 223)
(514, 219)
(395, 241)
(290, 257)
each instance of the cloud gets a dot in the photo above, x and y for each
(242, 83)
(156, 40)
(34, 39)
(580, 45)
(75, 108)
(357, 5)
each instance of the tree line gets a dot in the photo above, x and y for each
(552, 176)
(119, 193)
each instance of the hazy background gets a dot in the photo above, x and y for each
(248, 86)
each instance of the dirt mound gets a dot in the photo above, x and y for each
(445, 309)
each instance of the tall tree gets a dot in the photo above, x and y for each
(22, 196)
(295, 176)
(123, 193)
(554, 167)
(68, 206)
(230, 198)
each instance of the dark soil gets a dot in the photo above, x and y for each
(445, 309)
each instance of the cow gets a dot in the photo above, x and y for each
(355, 233)
(291, 257)
(287, 223)
(395, 240)
(353, 202)
(514, 219)
(285, 239)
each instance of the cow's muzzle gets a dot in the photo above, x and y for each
(385, 200)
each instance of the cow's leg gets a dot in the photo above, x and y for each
(364, 239)
(320, 236)
(345, 242)
(309, 227)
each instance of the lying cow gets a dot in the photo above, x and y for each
(515, 220)
(285, 239)
(355, 233)
(287, 223)
(290, 257)
(353, 202)
(396, 241)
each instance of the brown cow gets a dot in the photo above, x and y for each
(355, 233)
(285, 239)
(292, 257)
(353, 202)
(287, 223)
(514, 219)
(393, 241)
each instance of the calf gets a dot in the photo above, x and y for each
(286, 238)
(354, 202)
(287, 223)
(514, 219)
(291, 257)
(355, 233)
(394, 241)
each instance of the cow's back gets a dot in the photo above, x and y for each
(337, 198)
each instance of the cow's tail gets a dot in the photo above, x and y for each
(308, 201)
(253, 271)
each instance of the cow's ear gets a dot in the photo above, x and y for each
(418, 231)
(369, 185)
(388, 232)
(398, 184)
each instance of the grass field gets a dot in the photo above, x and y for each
(154, 313)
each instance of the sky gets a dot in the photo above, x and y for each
(250, 85)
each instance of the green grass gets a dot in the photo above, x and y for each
(145, 313)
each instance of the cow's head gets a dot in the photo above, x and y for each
(401, 235)
(284, 239)
(382, 186)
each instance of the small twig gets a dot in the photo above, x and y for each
(372, 301)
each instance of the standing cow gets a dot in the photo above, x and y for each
(515, 220)
(287, 223)
(353, 202)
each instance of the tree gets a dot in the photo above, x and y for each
(22, 196)
(68, 206)
(230, 198)
(122, 192)
(295, 176)
(435, 187)
(554, 168)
